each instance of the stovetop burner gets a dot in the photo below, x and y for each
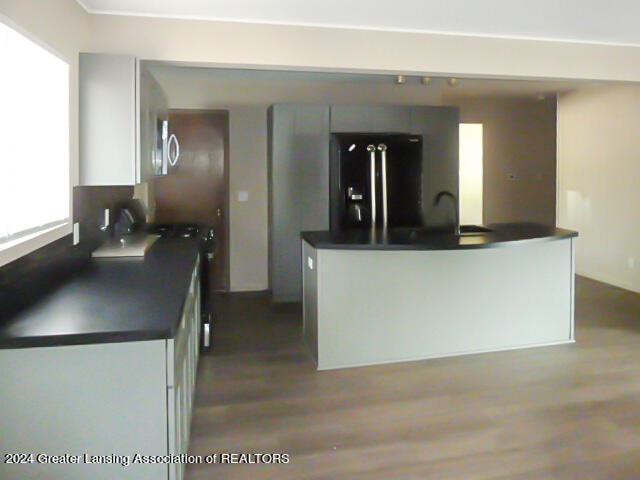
(188, 230)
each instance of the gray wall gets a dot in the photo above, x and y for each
(248, 236)
(519, 138)
(598, 177)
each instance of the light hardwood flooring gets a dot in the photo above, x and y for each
(563, 412)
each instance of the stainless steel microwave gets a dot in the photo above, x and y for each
(167, 151)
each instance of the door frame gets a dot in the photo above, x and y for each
(227, 195)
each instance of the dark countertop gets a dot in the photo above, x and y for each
(110, 300)
(502, 234)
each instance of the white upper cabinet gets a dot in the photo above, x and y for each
(121, 112)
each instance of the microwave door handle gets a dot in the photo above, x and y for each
(372, 156)
(382, 148)
(173, 139)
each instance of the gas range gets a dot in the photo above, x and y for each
(207, 245)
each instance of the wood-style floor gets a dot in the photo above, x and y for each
(564, 412)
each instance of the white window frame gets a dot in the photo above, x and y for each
(21, 246)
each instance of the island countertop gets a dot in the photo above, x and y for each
(110, 300)
(501, 234)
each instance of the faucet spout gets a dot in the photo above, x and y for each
(436, 202)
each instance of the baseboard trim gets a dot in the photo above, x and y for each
(608, 281)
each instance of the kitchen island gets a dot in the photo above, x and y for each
(380, 297)
(98, 375)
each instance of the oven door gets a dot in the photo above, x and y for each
(206, 264)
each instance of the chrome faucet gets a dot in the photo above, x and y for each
(446, 193)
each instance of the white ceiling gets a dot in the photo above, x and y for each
(596, 21)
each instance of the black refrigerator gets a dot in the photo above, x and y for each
(376, 181)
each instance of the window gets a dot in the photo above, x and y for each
(470, 173)
(34, 142)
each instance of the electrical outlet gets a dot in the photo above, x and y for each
(631, 263)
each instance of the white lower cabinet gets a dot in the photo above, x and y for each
(100, 411)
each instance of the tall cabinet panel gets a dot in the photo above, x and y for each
(298, 190)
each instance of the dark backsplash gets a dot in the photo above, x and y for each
(26, 279)
(88, 209)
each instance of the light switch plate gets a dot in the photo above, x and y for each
(76, 233)
(243, 196)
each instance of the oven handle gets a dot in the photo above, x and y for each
(206, 335)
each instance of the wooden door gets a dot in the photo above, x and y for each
(195, 189)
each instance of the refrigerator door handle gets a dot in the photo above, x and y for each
(385, 214)
(372, 154)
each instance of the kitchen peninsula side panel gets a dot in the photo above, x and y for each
(413, 304)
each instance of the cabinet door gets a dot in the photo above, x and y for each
(298, 188)
(178, 394)
(177, 417)
(194, 334)
(108, 119)
(99, 399)
(371, 118)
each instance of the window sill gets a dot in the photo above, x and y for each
(13, 250)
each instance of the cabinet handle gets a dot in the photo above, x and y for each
(173, 139)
